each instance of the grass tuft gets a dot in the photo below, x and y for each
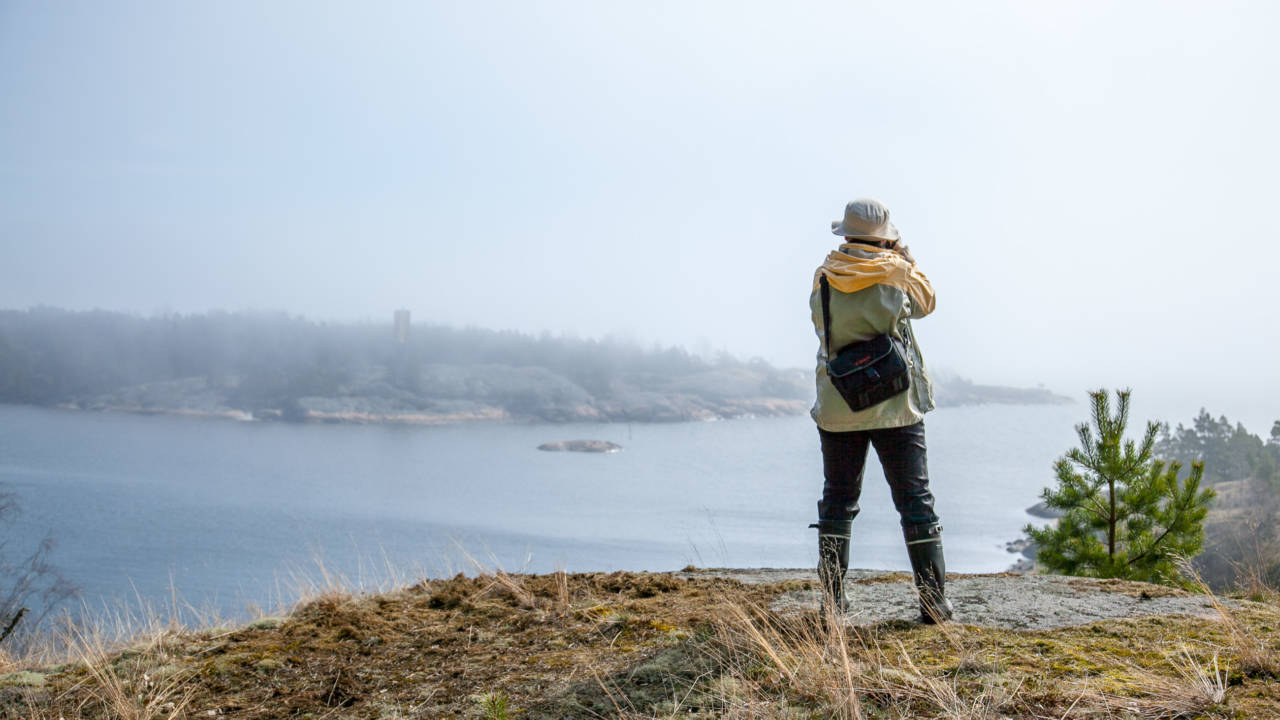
(494, 706)
(1195, 690)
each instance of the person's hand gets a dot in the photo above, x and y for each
(902, 249)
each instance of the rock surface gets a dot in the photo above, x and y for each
(1042, 510)
(1005, 600)
(589, 446)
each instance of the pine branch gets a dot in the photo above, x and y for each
(1154, 544)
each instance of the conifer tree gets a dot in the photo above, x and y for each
(1126, 514)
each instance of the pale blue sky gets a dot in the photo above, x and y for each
(1088, 184)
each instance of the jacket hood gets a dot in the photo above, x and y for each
(855, 267)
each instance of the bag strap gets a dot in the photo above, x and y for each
(825, 290)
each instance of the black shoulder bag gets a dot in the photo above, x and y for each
(864, 373)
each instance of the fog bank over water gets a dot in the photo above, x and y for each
(1088, 186)
(275, 367)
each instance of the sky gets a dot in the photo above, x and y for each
(1088, 185)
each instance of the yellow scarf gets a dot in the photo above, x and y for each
(849, 273)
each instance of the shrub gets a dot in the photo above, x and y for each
(1126, 514)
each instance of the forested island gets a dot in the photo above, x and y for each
(281, 367)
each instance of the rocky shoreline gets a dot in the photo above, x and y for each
(465, 395)
(675, 411)
(1024, 546)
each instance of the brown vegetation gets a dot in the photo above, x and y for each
(640, 645)
(1242, 544)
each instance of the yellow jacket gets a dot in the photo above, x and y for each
(873, 291)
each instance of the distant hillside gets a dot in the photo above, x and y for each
(276, 366)
(952, 391)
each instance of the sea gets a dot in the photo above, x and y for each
(244, 517)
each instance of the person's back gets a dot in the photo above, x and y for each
(874, 291)
(870, 289)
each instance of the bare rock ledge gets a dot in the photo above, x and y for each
(1004, 600)
(589, 446)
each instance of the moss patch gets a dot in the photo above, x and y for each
(23, 678)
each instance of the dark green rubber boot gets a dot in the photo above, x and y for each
(924, 547)
(833, 562)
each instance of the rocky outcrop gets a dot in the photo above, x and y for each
(1003, 600)
(1042, 510)
(587, 446)
(957, 391)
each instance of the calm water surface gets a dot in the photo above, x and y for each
(227, 512)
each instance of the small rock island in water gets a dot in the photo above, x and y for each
(593, 446)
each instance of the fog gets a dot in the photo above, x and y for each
(1088, 185)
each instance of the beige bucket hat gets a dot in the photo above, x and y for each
(866, 219)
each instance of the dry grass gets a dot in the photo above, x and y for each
(139, 682)
(1122, 669)
(846, 673)
(121, 657)
(131, 692)
(93, 634)
(1256, 654)
(563, 603)
(1194, 690)
(1242, 545)
(627, 645)
(496, 645)
(943, 695)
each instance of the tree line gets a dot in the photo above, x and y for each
(50, 356)
(1229, 452)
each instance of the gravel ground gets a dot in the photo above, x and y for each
(1006, 600)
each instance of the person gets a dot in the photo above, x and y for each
(874, 287)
